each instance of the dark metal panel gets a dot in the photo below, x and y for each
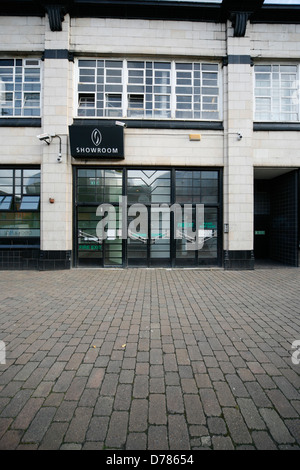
(276, 126)
(20, 122)
(154, 124)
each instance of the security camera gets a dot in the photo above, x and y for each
(45, 137)
(59, 159)
(240, 136)
(120, 123)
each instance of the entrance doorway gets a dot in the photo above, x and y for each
(276, 215)
(154, 236)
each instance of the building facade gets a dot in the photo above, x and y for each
(114, 114)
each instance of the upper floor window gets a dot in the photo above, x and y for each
(20, 87)
(148, 89)
(276, 93)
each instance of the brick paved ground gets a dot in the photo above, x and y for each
(150, 359)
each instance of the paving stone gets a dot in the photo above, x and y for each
(16, 404)
(236, 426)
(4, 425)
(282, 405)
(54, 436)
(142, 368)
(136, 441)
(294, 427)
(109, 385)
(287, 388)
(96, 378)
(222, 443)
(64, 381)
(71, 447)
(97, 429)
(79, 425)
(263, 441)
(203, 381)
(178, 433)
(182, 357)
(156, 356)
(172, 378)
(276, 426)
(76, 388)
(170, 363)
(123, 397)
(11, 440)
(236, 385)
(27, 413)
(158, 438)
(205, 348)
(258, 395)
(157, 385)
(88, 398)
(117, 431)
(224, 394)
(194, 410)
(250, 414)
(174, 399)
(216, 426)
(195, 367)
(35, 378)
(141, 386)
(138, 415)
(66, 411)
(189, 386)
(26, 371)
(209, 402)
(39, 425)
(265, 381)
(157, 409)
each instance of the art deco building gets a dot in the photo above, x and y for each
(141, 105)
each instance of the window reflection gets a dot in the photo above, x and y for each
(19, 204)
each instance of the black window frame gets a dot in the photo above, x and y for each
(20, 241)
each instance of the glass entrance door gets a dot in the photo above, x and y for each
(148, 233)
(148, 242)
(96, 187)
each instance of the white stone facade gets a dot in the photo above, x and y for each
(152, 39)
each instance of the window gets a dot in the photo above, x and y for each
(5, 203)
(19, 204)
(135, 105)
(276, 93)
(20, 87)
(113, 105)
(29, 203)
(86, 100)
(148, 89)
(197, 187)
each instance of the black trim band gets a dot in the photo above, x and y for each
(20, 122)
(58, 54)
(238, 59)
(153, 124)
(276, 126)
(238, 259)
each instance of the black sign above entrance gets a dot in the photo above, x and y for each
(97, 142)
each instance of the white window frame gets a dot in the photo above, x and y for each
(153, 113)
(274, 115)
(19, 101)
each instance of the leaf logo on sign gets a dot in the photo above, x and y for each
(96, 137)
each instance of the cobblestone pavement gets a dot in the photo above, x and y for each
(151, 359)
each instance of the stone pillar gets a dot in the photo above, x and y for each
(56, 178)
(238, 154)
